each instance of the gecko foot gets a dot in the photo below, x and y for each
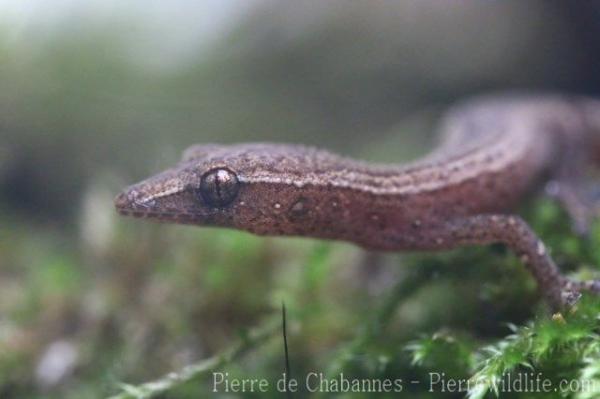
(571, 291)
(569, 296)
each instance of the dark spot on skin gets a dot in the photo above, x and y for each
(299, 208)
(219, 187)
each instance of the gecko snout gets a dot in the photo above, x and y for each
(122, 202)
(131, 200)
(134, 202)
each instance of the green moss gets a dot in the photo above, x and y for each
(163, 297)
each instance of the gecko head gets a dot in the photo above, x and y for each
(182, 195)
(245, 186)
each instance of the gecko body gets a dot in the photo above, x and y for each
(491, 153)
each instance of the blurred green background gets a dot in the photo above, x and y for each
(97, 95)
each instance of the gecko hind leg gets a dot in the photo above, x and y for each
(582, 206)
(515, 233)
(570, 185)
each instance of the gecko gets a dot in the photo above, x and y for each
(491, 152)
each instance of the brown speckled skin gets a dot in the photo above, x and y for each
(492, 152)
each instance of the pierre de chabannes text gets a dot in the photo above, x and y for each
(436, 382)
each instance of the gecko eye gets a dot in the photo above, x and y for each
(219, 187)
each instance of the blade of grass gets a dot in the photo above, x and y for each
(252, 340)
